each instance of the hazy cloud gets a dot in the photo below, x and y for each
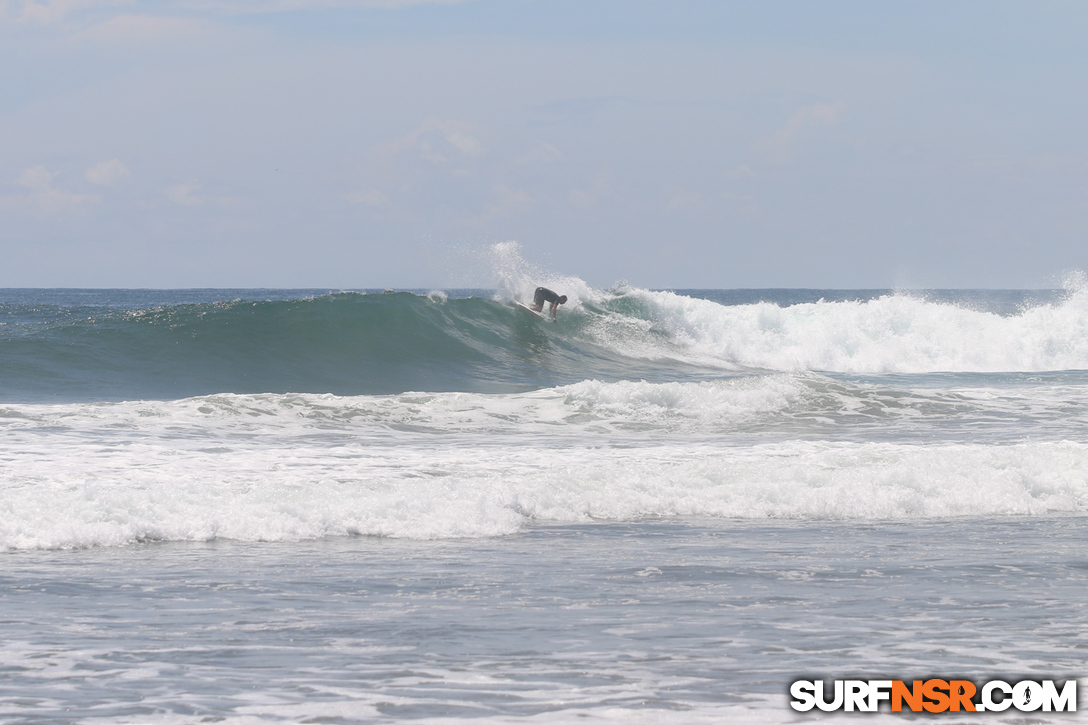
(541, 153)
(185, 194)
(588, 199)
(246, 7)
(42, 196)
(740, 172)
(107, 173)
(740, 203)
(142, 29)
(581, 199)
(436, 140)
(508, 201)
(464, 143)
(368, 196)
(681, 199)
(36, 177)
(781, 144)
(53, 11)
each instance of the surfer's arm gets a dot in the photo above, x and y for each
(555, 306)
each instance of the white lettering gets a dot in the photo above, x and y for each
(823, 704)
(1066, 701)
(879, 690)
(857, 695)
(988, 700)
(994, 696)
(804, 695)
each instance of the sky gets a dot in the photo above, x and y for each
(662, 144)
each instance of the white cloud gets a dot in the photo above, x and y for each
(54, 11)
(36, 177)
(509, 201)
(192, 194)
(247, 7)
(185, 194)
(740, 172)
(436, 141)
(107, 173)
(780, 145)
(741, 203)
(582, 199)
(142, 29)
(541, 153)
(588, 199)
(464, 143)
(367, 195)
(42, 196)
(681, 199)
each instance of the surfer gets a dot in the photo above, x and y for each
(542, 295)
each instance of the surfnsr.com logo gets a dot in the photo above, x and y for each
(935, 696)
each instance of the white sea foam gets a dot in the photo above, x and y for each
(896, 333)
(783, 404)
(103, 479)
(435, 465)
(444, 465)
(590, 405)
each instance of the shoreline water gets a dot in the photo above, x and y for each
(690, 620)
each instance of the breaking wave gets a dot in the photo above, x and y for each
(352, 344)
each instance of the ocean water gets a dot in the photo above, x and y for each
(286, 506)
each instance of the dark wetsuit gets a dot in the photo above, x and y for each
(542, 295)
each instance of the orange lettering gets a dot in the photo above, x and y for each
(932, 691)
(961, 692)
(912, 696)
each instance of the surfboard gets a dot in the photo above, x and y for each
(529, 309)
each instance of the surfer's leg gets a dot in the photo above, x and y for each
(538, 299)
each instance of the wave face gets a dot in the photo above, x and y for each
(345, 343)
(353, 344)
